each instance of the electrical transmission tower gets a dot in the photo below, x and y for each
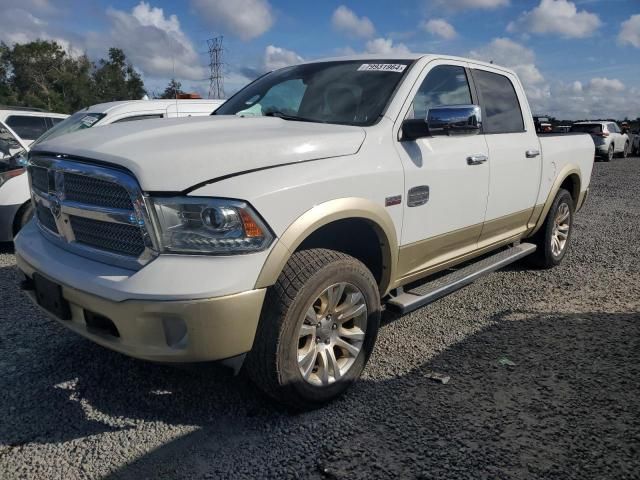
(216, 74)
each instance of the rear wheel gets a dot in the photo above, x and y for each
(625, 152)
(553, 237)
(318, 327)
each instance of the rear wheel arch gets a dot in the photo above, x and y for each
(354, 226)
(570, 179)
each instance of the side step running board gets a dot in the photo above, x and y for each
(429, 292)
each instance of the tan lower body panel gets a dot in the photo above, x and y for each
(430, 256)
(168, 331)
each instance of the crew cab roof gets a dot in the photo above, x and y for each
(405, 57)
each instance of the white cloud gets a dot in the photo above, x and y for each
(154, 43)
(246, 19)
(18, 25)
(346, 21)
(276, 57)
(630, 32)
(440, 28)
(598, 98)
(385, 46)
(520, 59)
(603, 84)
(556, 16)
(470, 4)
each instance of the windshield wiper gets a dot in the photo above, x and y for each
(286, 116)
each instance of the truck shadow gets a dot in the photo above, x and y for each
(568, 394)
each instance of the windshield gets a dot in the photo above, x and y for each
(344, 92)
(12, 155)
(587, 128)
(77, 121)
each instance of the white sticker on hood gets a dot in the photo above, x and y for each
(382, 67)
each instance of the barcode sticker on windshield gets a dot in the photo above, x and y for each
(89, 120)
(382, 67)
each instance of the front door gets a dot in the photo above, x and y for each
(449, 224)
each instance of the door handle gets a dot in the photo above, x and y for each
(477, 159)
(532, 153)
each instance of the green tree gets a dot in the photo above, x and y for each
(172, 90)
(116, 79)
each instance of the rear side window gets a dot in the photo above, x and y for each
(587, 128)
(55, 120)
(500, 105)
(444, 85)
(138, 117)
(28, 127)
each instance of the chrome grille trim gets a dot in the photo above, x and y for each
(116, 241)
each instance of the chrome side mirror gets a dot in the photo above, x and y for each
(454, 120)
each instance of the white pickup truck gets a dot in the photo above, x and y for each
(272, 234)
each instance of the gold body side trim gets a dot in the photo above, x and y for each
(443, 251)
(419, 256)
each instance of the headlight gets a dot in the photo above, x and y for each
(9, 174)
(209, 225)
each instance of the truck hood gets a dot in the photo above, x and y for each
(176, 154)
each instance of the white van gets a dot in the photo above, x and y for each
(29, 123)
(15, 205)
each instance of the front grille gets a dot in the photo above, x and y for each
(113, 237)
(100, 212)
(94, 191)
(46, 218)
(40, 178)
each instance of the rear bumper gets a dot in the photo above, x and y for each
(163, 331)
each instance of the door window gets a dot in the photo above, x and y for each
(28, 127)
(443, 85)
(500, 105)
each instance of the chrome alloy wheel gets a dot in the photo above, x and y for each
(560, 233)
(332, 334)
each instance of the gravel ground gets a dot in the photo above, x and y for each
(569, 407)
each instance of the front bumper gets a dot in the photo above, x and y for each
(7, 217)
(163, 331)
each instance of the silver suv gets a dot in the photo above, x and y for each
(608, 138)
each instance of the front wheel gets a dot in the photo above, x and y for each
(553, 237)
(318, 327)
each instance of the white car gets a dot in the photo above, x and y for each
(15, 205)
(607, 137)
(276, 230)
(29, 123)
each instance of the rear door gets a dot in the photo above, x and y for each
(515, 159)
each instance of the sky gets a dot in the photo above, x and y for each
(577, 59)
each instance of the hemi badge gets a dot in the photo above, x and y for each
(391, 201)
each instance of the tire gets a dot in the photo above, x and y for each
(625, 152)
(610, 153)
(282, 337)
(22, 217)
(546, 256)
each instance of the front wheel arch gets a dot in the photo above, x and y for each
(314, 221)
